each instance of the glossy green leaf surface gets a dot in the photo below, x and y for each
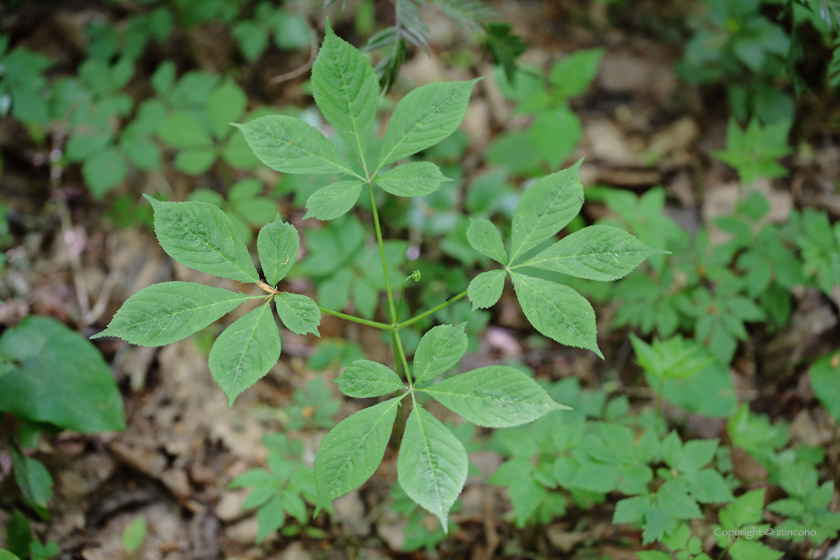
(486, 289)
(546, 207)
(485, 238)
(595, 253)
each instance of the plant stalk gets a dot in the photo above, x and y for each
(374, 324)
(422, 316)
(382, 255)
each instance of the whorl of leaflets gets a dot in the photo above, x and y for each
(432, 463)
(202, 237)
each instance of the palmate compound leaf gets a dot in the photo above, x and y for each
(289, 145)
(202, 237)
(335, 200)
(595, 253)
(439, 349)
(424, 117)
(483, 236)
(352, 451)
(486, 289)
(418, 178)
(170, 311)
(299, 313)
(432, 465)
(557, 311)
(278, 244)
(346, 91)
(544, 209)
(365, 379)
(494, 397)
(245, 351)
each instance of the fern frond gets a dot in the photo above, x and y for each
(504, 47)
(466, 13)
(408, 26)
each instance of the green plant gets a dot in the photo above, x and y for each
(281, 489)
(22, 84)
(134, 534)
(733, 40)
(51, 377)
(290, 31)
(244, 205)
(753, 152)
(556, 129)
(196, 120)
(432, 465)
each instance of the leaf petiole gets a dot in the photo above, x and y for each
(431, 311)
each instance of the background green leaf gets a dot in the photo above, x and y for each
(59, 378)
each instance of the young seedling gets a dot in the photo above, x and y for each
(432, 463)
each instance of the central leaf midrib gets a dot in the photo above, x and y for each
(417, 123)
(344, 88)
(192, 309)
(576, 257)
(337, 164)
(574, 326)
(367, 434)
(432, 468)
(238, 370)
(218, 252)
(539, 221)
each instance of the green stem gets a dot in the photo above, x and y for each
(374, 324)
(398, 349)
(382, 255)
(431, 311)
